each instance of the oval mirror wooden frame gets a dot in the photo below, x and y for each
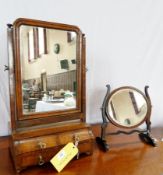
(136, 90)
(144, 135)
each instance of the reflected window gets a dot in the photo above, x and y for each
(31, 55)
(37, 43)
(42, 41)
(134, 103)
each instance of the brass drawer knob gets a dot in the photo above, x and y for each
(40, 161)
(42, 145)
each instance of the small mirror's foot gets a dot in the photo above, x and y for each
(102, 144)
(145, 137)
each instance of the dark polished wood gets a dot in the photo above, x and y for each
(127, 156)
(107, 118)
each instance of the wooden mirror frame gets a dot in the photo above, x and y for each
(18, 118)
(146, 117)
(35, 139)
(144, 135)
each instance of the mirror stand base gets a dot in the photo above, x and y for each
(102, 144)
(36, 146)
(146, 138)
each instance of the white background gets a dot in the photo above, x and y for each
(124, 46)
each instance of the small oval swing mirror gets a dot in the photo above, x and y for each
(126, 107)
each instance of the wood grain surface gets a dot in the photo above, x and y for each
(127, 156)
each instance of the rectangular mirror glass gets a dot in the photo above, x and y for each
(48, 69)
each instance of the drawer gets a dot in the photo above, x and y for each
(40, 157)
(50, 141)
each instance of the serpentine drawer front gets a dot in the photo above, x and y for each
(39, 150)
(44, 142)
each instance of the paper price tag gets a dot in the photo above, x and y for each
(64, 156)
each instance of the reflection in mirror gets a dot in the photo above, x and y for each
(49, 80)
(127, 107)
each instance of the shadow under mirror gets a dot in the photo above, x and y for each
(48, 69)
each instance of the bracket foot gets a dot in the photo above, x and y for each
(102, 144)
(145, 137)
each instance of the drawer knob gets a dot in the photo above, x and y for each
(42, 145)
(41, 161)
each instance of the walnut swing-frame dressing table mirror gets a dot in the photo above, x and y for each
(47, 90)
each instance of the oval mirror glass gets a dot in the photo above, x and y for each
(127, 107)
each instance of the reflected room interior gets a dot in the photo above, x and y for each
(48, 69)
